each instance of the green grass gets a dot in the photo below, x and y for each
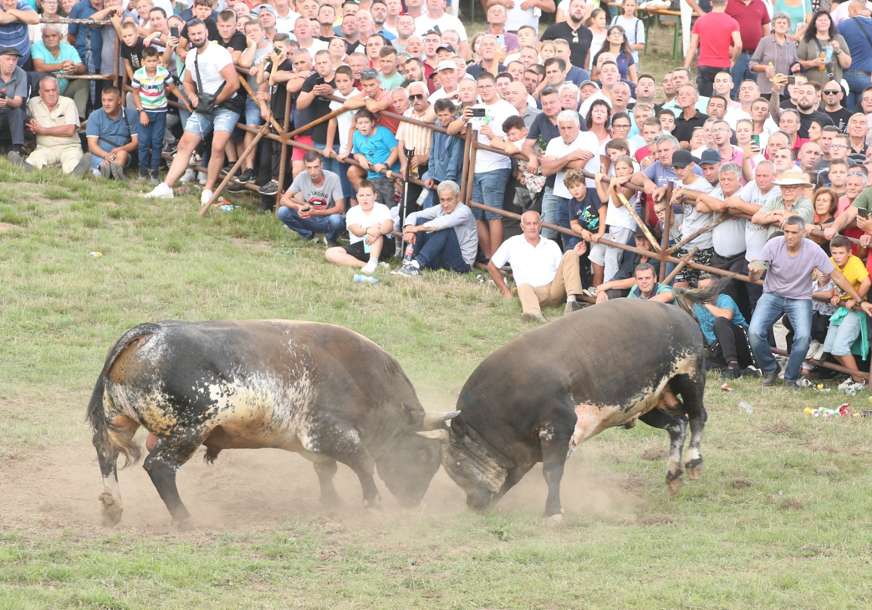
(780, 519)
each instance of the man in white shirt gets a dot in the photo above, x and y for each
(285, 17)
(437, 17)
(544, 275)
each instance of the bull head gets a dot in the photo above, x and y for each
(436, 423)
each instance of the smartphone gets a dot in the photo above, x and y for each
(277, 50)
(478, 112)
(174, 31)
(863, 213)
(2, 96)
(791, 80)
(755, 139)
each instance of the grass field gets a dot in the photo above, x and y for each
(780, 519)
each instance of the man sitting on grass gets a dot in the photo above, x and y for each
(443, 236)
(543, 274)
(314, 203)
(369, 228)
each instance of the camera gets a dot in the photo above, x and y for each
(478, 113)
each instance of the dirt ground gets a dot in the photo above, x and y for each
(56, 489)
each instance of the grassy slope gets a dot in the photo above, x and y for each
(780, 518)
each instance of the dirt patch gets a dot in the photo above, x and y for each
(654, 453)
(777, 428)
(791, 504)
(6, 227)
(250, 245)
(655, 520)
(740, 483)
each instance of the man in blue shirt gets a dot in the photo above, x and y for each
(111, 135)
(15, 16)
(647, 287)
(88, 39)
(857, 31)
(724, 329)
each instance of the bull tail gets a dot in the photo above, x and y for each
(115, 435)
(687, 298)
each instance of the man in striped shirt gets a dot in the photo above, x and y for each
(417, 138)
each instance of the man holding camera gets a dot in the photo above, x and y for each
(210, 83)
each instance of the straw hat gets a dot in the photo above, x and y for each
(792, 177)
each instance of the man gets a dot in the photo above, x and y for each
(717, 36)
(807, 100)
(710, 163)
(496, 25)
(15, 16)
(379, 11)
(388, 76)
(646, 287)
(437, 18)
(55, 56)
(857, 32)
(252, 60)
(625, 279)
(808, 158)
(210, 83)
(689, 118)
(112, 136)
(753, 19)
(492, 170)
(313, 100)
(792, 202)
(443, 236)
(285, 17)
(543, 275)
(789, 261)
(314, 203)
(416, 138)
(646, 90)
(573, 32)
(13, 87)
(696, 219)
(525, 13)
(832, 95)
(516, 95)
(489, 62)
(55, 122)
(448, 77)
(305, 37)
(572, 149)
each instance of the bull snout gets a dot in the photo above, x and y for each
(479, 500)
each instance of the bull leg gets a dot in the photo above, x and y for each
(168, 455)
(326, 469)
(514, 475)
(676, 426)
(121, 434)
(554, 439)
(692, 389)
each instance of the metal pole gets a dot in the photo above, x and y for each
(283, 155)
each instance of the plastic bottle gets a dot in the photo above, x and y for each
(409, 252)
(360, 278)
(746, 406)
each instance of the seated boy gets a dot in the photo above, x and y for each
(369, 229)
(375, 148)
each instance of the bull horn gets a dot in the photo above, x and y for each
(435, 422)
(435, 435)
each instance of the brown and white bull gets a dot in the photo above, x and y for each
(538, 397)
(316, 389)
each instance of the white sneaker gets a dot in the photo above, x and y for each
(201, 178)
(205, 196)
(189, 176)
(161, 191)
(370, 267)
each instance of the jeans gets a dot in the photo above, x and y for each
(439, 250)
(13, 119)
(741, 72)
(151, 138)
(769, 308)
(332, 225)
(555, 210)
(857, 81)
(384, 189)
(705, 78)
(489, 188)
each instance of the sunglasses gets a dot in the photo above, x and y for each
(416, 96)
(825, 92)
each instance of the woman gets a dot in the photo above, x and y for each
(824, 202)
(621, 126)
(797, 10)
(596, 23)
(597, 120)
(775, 54)
(49, 9)
(616, 44)
(337, 49)
(633, 27)
(822, 51)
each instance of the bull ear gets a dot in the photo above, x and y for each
(435, 422)
(436, 435)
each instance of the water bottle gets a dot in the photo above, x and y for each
(407, 255)
(360, 278)
(746, 406)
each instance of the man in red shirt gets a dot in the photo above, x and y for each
(717, 36)
(753, 21)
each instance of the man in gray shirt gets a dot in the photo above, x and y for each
(314, 203)
(442, 236)
(787, 290)
(13, 89)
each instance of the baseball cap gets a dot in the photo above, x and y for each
(446, 64)
(257, 10)
(683, 158)
(709, 157)
(588, 82)
(445, 47)
(10, 51)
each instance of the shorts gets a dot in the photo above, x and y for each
(252, 113)
(299, 153)
(688, 274)
(840, 338)
(221, 120)
(356, 250)
(489, 188)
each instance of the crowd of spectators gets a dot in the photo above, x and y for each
(764, 149)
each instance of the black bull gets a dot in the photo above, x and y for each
(536, 398)
(317, 389)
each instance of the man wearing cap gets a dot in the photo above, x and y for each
(55, 122)
(792, 202)
(13, 92)
(696, 216)
(789, 261)
(15, 16)
(447, 75)
(710, 162)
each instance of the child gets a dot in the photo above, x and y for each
(645, 154)
(375, 148)
(341, 127)
(621, 225)
(528, 184)
(150, 85)
(132, 47)
(634, 29)
(369, 229)
(846, 325)
(666, 120)
(587, 217)
(821, 310)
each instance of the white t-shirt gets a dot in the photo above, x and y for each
(558, 148)
(356, 216)
(635, 30)
(618, 216)
(495, 114)
(756, 236)
(285, 25)
(343, 121)
(517, 17)
(211, 61)
(425, 23)
(533, 265)
(317, 45)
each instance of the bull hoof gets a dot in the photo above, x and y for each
(373, 503)
(211, 455)
(673, 482)
(111, 509)
(554, 520)
(694, 469)
(183, 524)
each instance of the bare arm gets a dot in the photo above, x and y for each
(498, 279)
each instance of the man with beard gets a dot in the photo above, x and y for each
(806, 104)
(832, 95)
(573, 32)
(210, 83)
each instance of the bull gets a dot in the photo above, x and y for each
(316, 389)
(538, 397)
